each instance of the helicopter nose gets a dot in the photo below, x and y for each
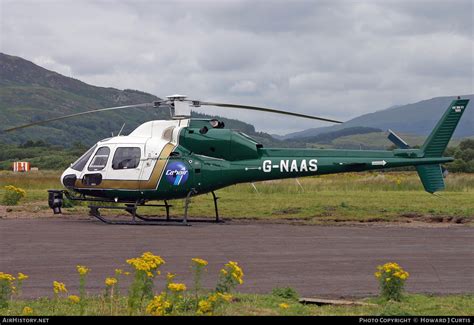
(68, 178)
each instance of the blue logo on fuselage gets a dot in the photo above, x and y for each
(176, 173)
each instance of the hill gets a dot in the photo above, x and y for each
(30, 93)
(329, 137)
(415, 119)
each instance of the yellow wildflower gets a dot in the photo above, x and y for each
(231, 276)
(284, 306)
(237, 278)
(17, 190)
(236, 271)
(204, 307)
(177, 287)
(147, 263)
(199, 262)
(6, 276)
(110, 282)
(213, 298)
(391, 270)
(27, 310)
(74, 299)
(170, 276)
(22, 276)
(59, 287)
(82, 270)
(159, 306)
(118, 271)
(225, 296)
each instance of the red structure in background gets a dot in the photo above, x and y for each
(21, 166)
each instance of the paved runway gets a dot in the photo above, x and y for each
(315, 260)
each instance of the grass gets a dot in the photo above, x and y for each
(353, 197)
(258, 304)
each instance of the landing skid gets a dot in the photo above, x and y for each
(137, 219)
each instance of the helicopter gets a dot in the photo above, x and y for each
(164, 160)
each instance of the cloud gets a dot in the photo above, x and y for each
(244, 87)
(334, 58)
(50, 64)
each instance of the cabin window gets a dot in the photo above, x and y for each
(82, 161)
(126, 158)
(100, 159)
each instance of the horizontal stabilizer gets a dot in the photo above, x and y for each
(432, 177)
(396, 140)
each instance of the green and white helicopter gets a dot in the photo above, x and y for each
(178, 158)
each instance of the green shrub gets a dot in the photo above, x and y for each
(286, 293)
(6, 289)
(12, 195)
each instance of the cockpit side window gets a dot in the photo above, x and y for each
(126, 158)
(82, 161)
(100, 159)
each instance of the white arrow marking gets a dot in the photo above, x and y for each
(379, 163)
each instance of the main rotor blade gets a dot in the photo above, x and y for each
(76, 114)
(269, 110)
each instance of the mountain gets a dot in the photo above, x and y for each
(329, 137)
(31, 93)
(416, 119)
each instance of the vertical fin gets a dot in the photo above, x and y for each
(439, 138)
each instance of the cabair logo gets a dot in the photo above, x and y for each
(176, 173)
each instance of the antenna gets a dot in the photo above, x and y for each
(254, 187)
(299, 184)
(120, 132)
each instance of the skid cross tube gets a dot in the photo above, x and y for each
(94, 211)
(132, 209)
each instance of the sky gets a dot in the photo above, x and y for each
(335, 59)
